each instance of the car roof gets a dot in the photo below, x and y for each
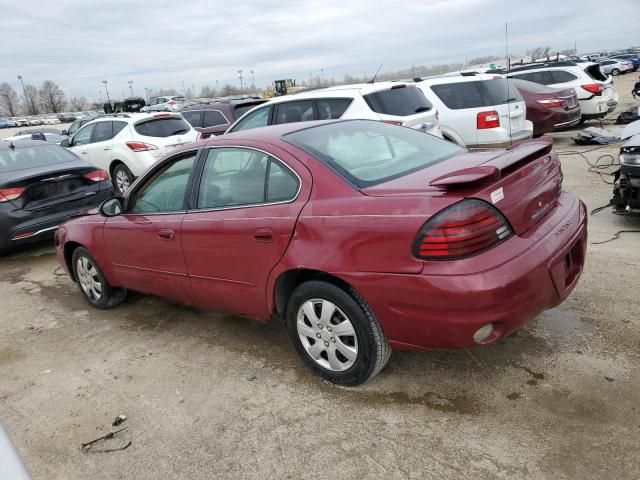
(346, 91)
(271, 133)
(460, 78)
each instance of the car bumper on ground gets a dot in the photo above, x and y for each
(446, 309)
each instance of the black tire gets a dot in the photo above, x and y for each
(615, 72)
(373, 349)
(121, 171)
(109, 296)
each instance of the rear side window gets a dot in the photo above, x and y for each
(400, 101)
(332, 108)
(102, 132)
(291, 112)
(117, 127)
(560, 76)
(193, 117)
(259, 118)
(213, 118)
(542, 78)
(162, 127)
(484, 93)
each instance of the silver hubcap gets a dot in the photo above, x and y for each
(122, 181)
(88, 278)
(327, 335)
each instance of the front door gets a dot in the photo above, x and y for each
(244, 217)
(144, 244)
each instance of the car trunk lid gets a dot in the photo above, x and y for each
(523, 182)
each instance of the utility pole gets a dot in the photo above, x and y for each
(253, 81)
(322, 76)
(217, 89)
(131, 87)
(106, 91)
(184, 92)
(24, 91)
(240, 76)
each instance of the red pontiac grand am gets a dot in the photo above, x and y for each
(364, 236)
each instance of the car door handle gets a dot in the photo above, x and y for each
(263, 235)
(107, 148)
(83, 152)
(166, 234)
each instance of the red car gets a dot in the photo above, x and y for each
(363, 236)
(549, 109)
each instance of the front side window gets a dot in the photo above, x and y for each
(194, 117)
(259, 118)
(74, 128)
(83, 136)
(102, 132)
(292, 112)
(367, 153)
(165, 190)
(213, 118)
(560, 76)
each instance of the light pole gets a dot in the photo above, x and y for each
(217, 88)
(322, 75)
(106, 91)
(130, 82)
(24, 91)
(253, 80)
(240, 76)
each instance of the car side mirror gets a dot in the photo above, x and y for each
(112, 207)
(64, 132)
(65, 143)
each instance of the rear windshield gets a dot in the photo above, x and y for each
(162, 127)
(366, 152)
(594, 72)
(478, 94)
(400, 101)
(22, 158)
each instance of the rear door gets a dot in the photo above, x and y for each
(240, 226)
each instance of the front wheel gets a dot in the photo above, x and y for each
(92, 283)
(336, 333)
(122, 178)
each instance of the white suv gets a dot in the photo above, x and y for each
(390, 102)
(478, 111)
(125, 145)
(596, 94)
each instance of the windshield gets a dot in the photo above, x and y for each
(22, 158)
(367, 153)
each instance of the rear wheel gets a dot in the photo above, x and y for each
(615, 72)
(92, 283)
(122, 178)
(336, 333)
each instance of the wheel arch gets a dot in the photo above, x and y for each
(69, 248)
(114, 163)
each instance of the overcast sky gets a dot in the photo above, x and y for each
(160, 43)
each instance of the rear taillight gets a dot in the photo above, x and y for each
(488, 119)
(8, 194)
(141, 146)
(171, 102)
(97, 176)
(461, 230)
(393, 122)
(594, 88)
(552, 102)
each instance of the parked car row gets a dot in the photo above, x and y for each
(50, 119)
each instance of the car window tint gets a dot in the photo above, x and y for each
(560, 76)
(83, 136)
(163, 127)
(233, 177)
(282, 184)
(292, 112)
(482, 93)
(117, 127)
(213, 118)
(259, 118)
(401, 101)
(102, 131)
(165, 190)
(367, 152)
(193, 117)
(73, 128)
(331, 108)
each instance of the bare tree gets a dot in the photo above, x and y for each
(78, 104)
(52, 98)
(538, 53)
(30, 103)
(166, 91)
(9, 101)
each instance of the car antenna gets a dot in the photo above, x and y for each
(12, 146)
(374, 77)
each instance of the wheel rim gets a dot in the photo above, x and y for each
(327, 335)
(89, 279)
(122, 181)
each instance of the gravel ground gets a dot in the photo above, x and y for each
(213, 396)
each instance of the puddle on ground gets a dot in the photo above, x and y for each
(15, 276)
(9, 355)
(562, 322)
(513, 396)
(434, 401)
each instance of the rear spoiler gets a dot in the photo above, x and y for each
(497, 167)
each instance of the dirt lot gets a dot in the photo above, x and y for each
(212, 396)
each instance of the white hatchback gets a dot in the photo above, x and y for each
(390, 102)
(478, 111)
(126, 144)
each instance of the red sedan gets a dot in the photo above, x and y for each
(364, 236)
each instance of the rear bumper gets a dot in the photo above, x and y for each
(445, 309)
(525, 135)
